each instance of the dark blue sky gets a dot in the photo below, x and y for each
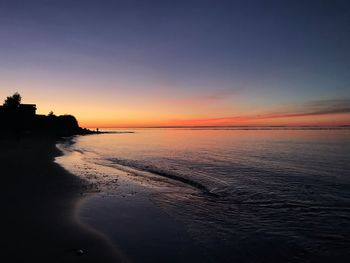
(273, 52)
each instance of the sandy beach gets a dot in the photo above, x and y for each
(38, 212)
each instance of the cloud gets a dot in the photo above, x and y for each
(313, 108)
(319, 107)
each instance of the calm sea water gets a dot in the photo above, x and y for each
(243, 195)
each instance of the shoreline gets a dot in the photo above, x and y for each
(151, 218)
(121, 207)
(40, 206)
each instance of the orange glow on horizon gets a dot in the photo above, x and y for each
(105, 111)
(319, 120)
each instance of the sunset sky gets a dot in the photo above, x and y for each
(169, 63)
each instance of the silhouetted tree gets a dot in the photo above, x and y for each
(13, 101)
(67, 122)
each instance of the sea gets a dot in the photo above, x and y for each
(229, 194)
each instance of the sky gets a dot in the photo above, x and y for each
(130, 63)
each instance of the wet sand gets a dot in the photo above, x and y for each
(124, 209)
(38, 216)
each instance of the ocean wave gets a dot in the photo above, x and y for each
(137, 166)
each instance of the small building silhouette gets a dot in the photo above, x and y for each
(27, 109)
(19, 118)
(24, 109)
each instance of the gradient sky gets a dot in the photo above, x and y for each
(154, 63)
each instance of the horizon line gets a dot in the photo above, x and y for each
(227, 126)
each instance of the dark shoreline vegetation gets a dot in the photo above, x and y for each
(40, 197)
(20, 120)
